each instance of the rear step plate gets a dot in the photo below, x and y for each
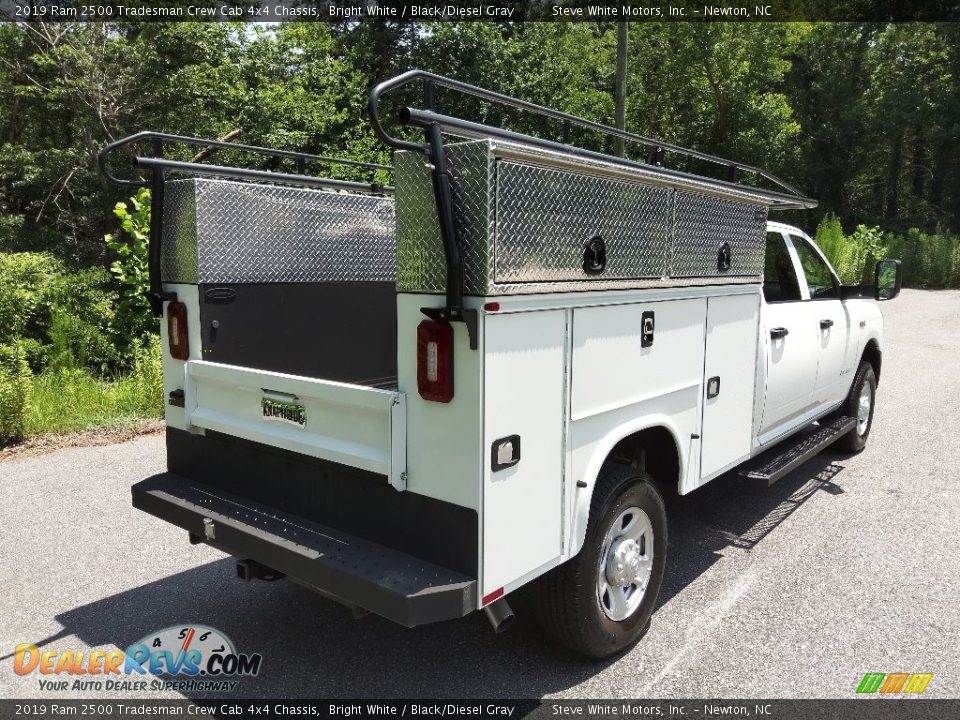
(793, 453)
(400, 587)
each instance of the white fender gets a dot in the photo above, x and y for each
(584, 495)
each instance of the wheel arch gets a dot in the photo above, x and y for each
(871, 354)
(653, 443)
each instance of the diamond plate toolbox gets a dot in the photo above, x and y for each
(221, 231)
(524, 221)
(703, 224)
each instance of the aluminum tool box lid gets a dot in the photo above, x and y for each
(526, 216)
(225, 231)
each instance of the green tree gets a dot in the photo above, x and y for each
(716, 87)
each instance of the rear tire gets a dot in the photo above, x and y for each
(860, 404)
(599, 602)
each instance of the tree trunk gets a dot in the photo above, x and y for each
(941, 162)
(208, 151)
(12, 123)
(918, 170)
(892, 195)
(620, 87)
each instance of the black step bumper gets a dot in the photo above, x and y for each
(398, 586)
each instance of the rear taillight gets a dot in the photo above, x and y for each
(177, 331)
(435, 361)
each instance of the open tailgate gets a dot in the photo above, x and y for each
(355, 425)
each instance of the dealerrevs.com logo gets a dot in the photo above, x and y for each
(179, 657)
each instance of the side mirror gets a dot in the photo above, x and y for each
(887, 279)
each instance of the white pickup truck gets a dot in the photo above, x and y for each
(417, 405)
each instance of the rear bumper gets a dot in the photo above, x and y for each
(400, 587)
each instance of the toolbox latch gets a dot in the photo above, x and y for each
(647, 326)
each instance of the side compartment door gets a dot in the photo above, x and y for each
(791, 339)
(730, 370)
(524, 412)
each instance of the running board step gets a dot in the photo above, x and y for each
(795, 452)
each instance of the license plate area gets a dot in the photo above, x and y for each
(289, 411)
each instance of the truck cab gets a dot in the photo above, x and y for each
(418, 397)
(815, 338)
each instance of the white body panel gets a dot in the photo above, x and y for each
(444, 440)
(613, 370)
(731, 356)
(791, 364)
(808, 373)
(524, 378)
(832, 349)
(620, 387)
(593, 438)
(174, 371)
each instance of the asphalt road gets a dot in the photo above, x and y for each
(848, 565)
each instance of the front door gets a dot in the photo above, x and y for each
(791, 339)
(827, 315)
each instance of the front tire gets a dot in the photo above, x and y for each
(859, 404)
(599, 602)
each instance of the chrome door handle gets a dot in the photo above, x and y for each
(779, 332)
(824, 324)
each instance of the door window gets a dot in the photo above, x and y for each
(780, 282)
(816, 272)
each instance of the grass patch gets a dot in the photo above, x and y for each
(74, 400)
(65, 399)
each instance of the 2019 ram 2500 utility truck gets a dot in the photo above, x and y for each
(418, 404)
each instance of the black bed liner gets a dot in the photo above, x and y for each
(343, 331)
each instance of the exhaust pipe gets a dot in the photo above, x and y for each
(500, 615)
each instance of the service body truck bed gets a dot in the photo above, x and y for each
(418, 405)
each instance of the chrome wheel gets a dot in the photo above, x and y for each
(626, 563)
(864, 403)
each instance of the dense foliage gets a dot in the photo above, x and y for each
(863, 117)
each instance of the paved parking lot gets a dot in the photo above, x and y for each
(848, 565)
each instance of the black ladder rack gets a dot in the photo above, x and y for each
(434, 125)
(782, 195)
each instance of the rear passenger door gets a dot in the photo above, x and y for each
(789, 336)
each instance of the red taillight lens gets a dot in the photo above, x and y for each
(435, 361)
(177, 331)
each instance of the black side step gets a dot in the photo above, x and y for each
(795, 452)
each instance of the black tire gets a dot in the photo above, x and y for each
(567, 598)
(856, 440)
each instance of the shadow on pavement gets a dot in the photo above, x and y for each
(313, 648)
(725, 514)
